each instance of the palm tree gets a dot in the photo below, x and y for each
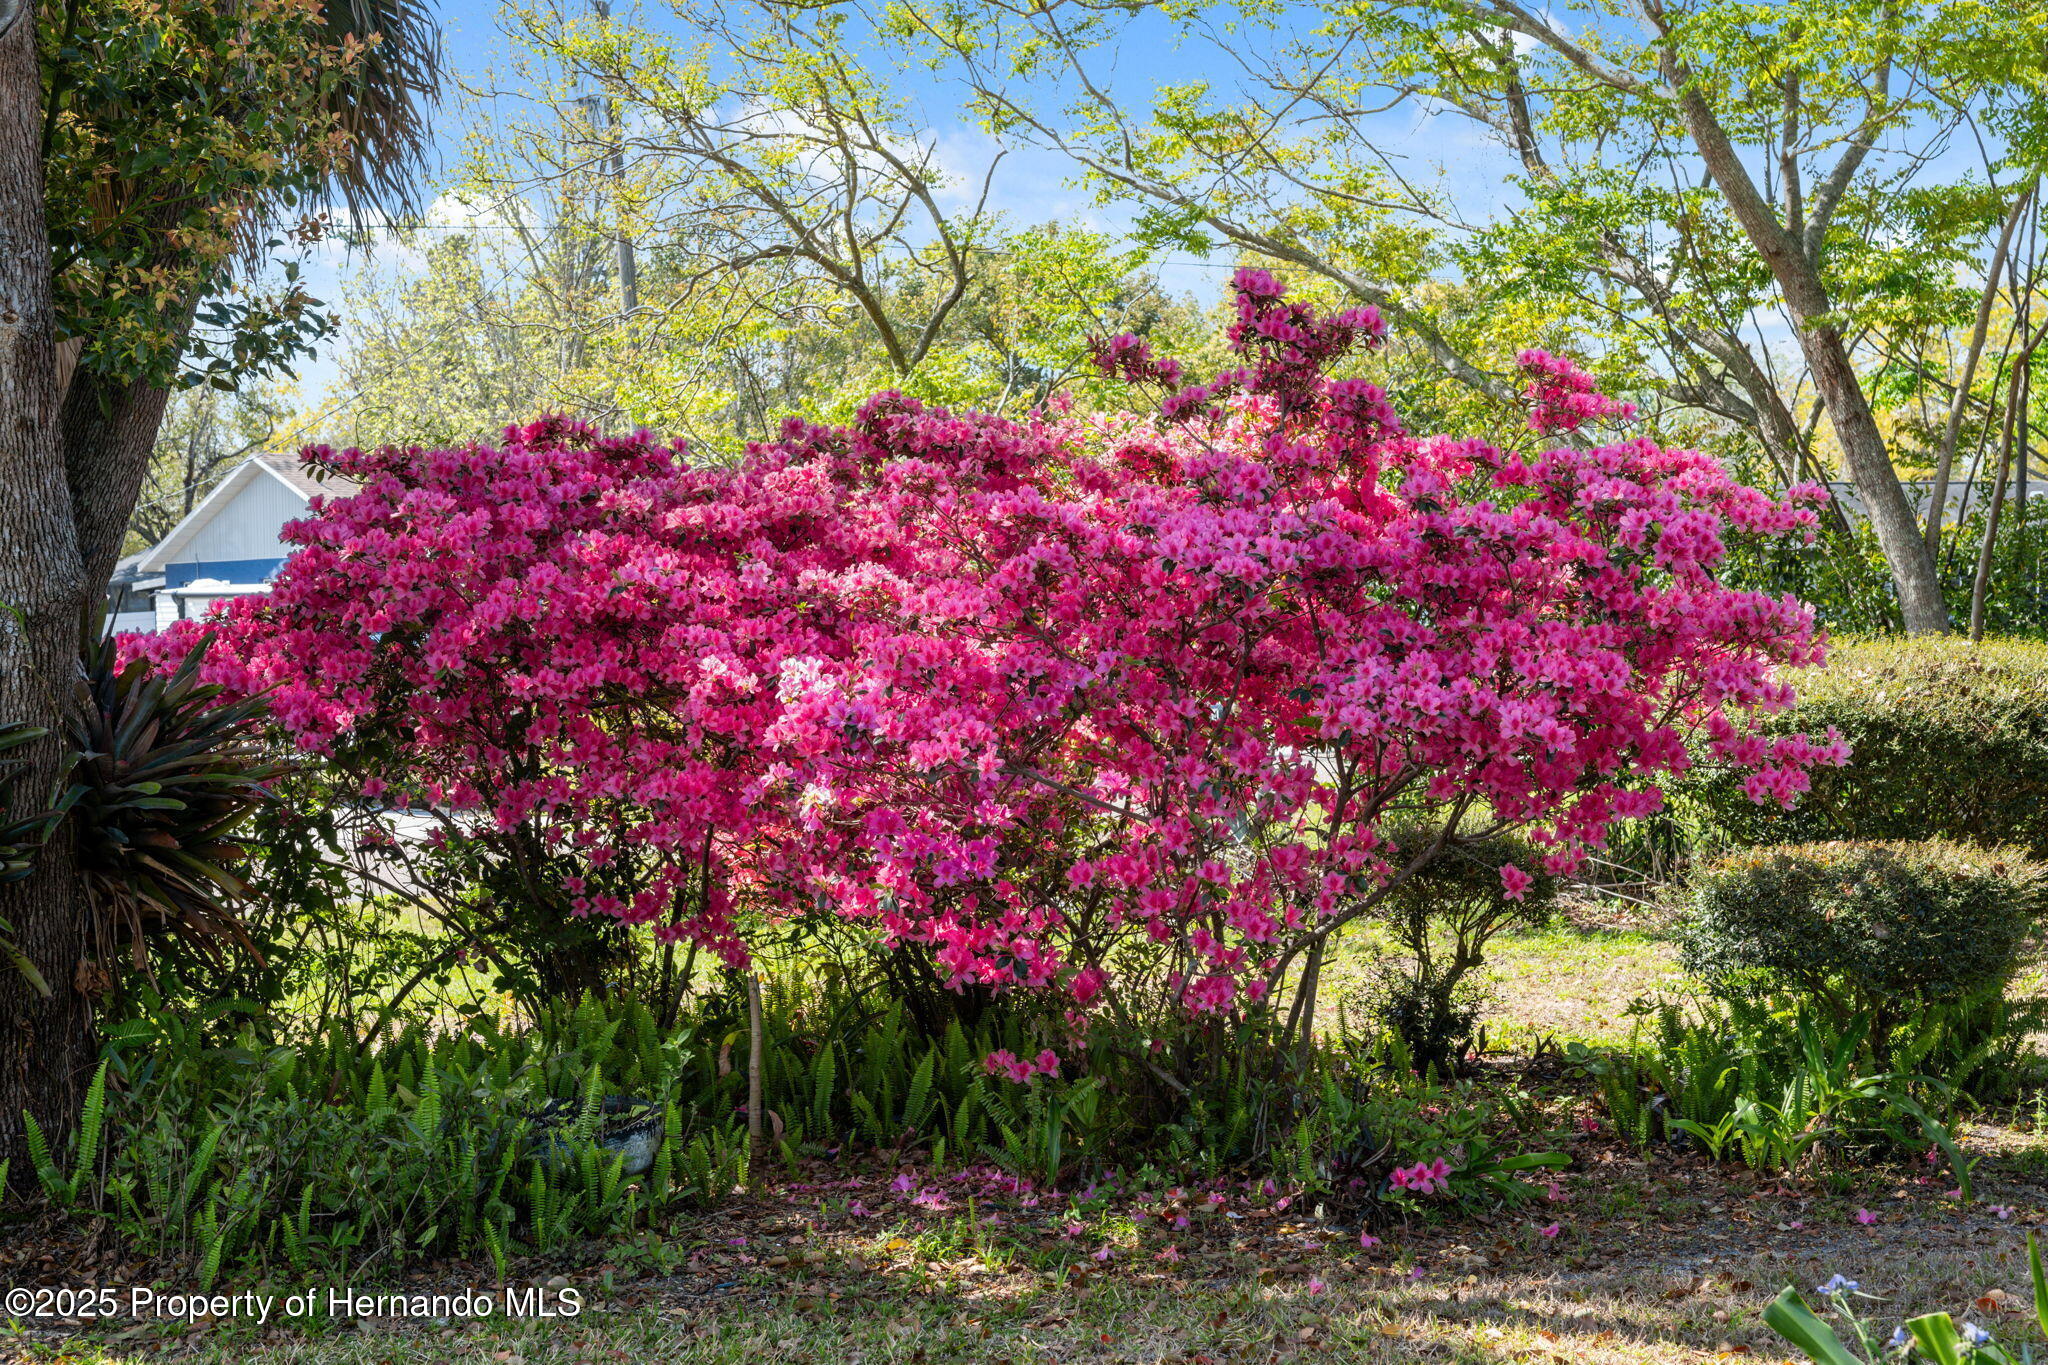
(385, 109)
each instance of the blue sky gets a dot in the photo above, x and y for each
(1034, 186)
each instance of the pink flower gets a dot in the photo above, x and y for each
(1104, 1254)
(1169, 1255)
(1316, 1286)
(874, 669)
(1087, 984)
(1550, 1231)
(1424, 1177)
(1865, 1217)
(1367, 1241)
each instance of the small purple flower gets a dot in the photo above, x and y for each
(1837, 1284)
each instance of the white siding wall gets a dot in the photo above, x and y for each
(247, 527)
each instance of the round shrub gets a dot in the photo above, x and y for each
(1947, 740)
(1442, 919)
(1863, 928)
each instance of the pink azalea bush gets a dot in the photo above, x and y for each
(1079, 704)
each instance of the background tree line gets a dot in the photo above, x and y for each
(1806, 238)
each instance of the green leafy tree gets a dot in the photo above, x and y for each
(1678, 179)
(711, 228)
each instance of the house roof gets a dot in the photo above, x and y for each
(286, 469)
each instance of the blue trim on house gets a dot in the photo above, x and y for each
(227, 570)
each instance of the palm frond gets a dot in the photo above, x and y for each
(386, 108)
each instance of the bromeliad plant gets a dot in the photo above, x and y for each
(166, 773)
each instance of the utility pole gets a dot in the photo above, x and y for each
(615, 163)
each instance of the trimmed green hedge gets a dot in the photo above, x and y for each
(1949, 740)
(1869, 929)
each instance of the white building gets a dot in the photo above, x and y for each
(229, 546)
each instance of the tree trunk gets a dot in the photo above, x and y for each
(109, 430)
(1305, 1001)
(46, 1045)
(1937, 501)
(1877, 483)
(1834, 378)
(2019, 395)
(1982, 579)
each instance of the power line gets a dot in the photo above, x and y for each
(597, 232)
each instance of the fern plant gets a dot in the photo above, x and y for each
(61, 1189)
